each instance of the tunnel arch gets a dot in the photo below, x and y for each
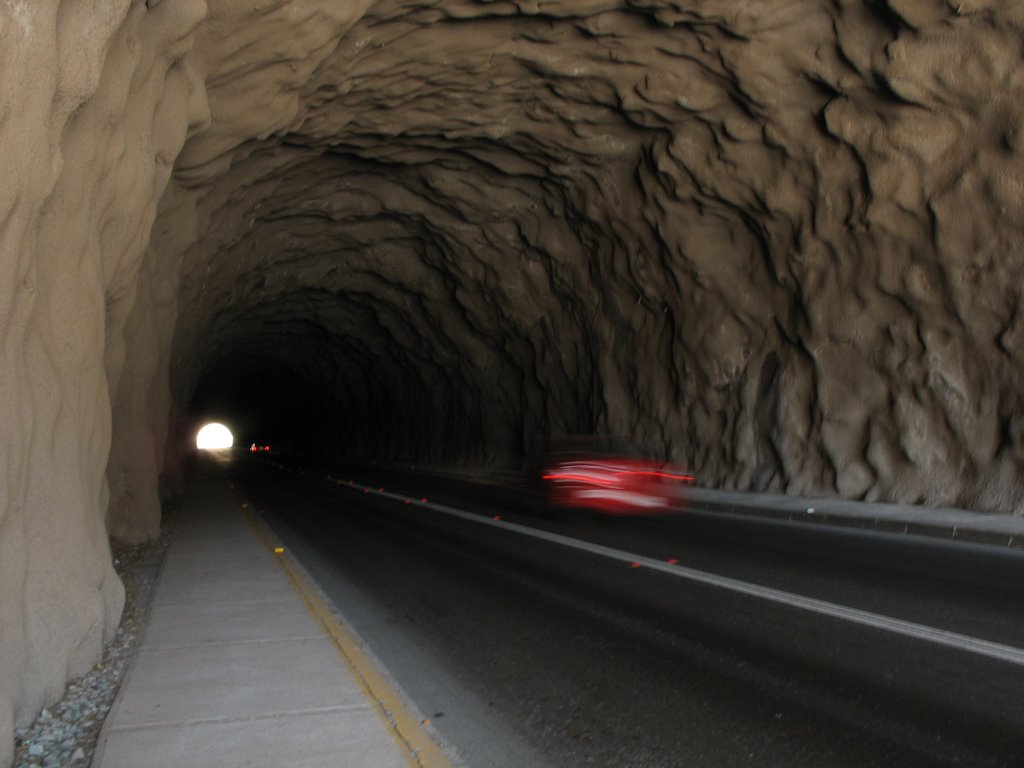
(475, 257)
(502, 220)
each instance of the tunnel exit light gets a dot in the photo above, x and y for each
(214, 437)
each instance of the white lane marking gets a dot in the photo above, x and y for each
(935, 635)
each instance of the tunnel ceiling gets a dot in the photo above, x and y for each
(775, 241)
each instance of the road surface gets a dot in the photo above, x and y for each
(687, 640)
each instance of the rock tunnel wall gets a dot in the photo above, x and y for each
(776, 240)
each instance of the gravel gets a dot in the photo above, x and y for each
(65, 733)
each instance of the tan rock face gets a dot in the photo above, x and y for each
(778, 240)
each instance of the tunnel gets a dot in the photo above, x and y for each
(778, 243)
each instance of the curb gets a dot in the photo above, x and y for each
(409, 732)
(894, 525)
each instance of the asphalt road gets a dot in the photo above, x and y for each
(596, 646)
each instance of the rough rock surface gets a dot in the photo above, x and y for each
(777, 240)
(65, 733)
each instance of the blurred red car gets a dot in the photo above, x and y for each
(611, 481)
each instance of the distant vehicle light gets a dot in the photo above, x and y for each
(254, 448)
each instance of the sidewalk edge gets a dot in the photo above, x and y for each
(406, 728)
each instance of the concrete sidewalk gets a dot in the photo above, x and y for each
(239, 667)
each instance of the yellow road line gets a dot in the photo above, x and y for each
(419, 748)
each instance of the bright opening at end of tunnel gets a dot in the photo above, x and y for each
(214, 437)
